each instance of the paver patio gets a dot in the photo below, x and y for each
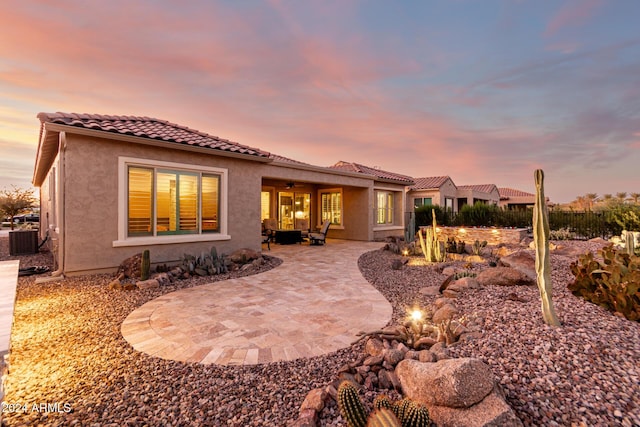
(314, 303)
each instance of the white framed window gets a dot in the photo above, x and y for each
(384, 207)
(166, 202)
(331, 206)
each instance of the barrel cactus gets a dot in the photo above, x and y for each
(383, 417)
(351, 406)
(416, 416)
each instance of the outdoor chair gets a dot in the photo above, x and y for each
(269, 227)
(319, 238)
(303, 226)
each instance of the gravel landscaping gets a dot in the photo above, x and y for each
(67, 349)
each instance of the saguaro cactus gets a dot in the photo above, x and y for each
(541, 239)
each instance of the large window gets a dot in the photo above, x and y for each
(166, 202)
(331, 206)
(384, 207)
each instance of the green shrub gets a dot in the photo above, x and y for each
(424, 216)
(623, 217)
(478, 215)
(613, 284)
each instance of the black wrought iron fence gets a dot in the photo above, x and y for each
(582, 225)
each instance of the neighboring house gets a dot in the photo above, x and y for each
(112, 186)
(435, 190)
(516, 199)
(471, 194)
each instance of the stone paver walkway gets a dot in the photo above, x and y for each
(314, 303)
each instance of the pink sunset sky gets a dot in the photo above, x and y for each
(482, 91)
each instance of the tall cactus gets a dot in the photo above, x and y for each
(145, 265)
(351, 407)
(541, 239)
(630, 244)
(432, 249)
(410, 233)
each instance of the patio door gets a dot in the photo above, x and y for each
(291, 207)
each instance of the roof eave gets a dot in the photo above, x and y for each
(46, 153)
(153, 142)
(396, 181)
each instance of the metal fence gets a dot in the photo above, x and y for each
(582, 225)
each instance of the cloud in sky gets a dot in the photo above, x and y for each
(484, 92)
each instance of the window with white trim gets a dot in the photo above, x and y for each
(384, 207)
(163, 202)
(331, 206)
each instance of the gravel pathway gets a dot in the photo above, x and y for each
(67, 349)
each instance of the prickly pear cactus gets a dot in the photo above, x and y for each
(351, 406)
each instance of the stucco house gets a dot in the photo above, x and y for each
(112, 186)
(511, 198)
(434, 190)
(470, 194)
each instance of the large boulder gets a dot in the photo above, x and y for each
(130, 267)
(244, 256)
(521, 260)
(492, 411)
(569, 251)
(503, 276)
(455, 383)
(445, 312)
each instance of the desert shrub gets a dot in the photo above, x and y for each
(613, 284)
(562, 234)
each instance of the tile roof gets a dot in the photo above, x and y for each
(429, 182)
(511, 192)
(379, 173)
(283, 159)
(482, 188)
(146, 127)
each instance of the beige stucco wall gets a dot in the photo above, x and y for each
(91, 203)
(438, 196)
(470, 195)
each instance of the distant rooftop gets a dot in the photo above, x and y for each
(511, 192)
(429, 182)
(379, 173)
(482, 188)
